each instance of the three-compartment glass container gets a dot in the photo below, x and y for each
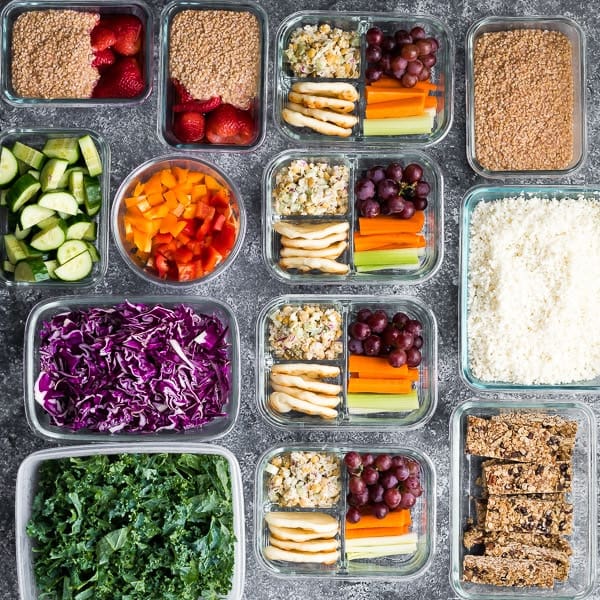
(465, 483)
(345, 565)
(358, 23)
(145, 57)
(306, 187)
(28, 478)
(308, 336)
(39, 419)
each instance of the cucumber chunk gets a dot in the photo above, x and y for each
(49, 222)
(91, 234)
(62, 148)
(32, 214)
(90, 154)
(7, 266)
(21, 234)
(62, 202)
(21, 191)
(9, 168)
(31, 270)
(34, 158)
(78, 226)
(15, 249)
(70, 249)
(76, 186)
(51, 265)
(52, 173)
(75, 269)
(93, 195)
(51, 238)
(93, 252)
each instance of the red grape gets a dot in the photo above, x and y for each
(365, 189)
(397, 461)
(409, 210)
(373, 53)
(400, 320)
(376, 174)
(392, 497)
(356, 485)
(367, 459)
(422, 188)
(418, 343)
(388, 44)
(413, 467)
(380, 510)
(387, 188)
(370, 475)
(395, 204)
(374, 36)
(360, 331)
(402, 37)
(434, 44)
(390, 335)
(408, 500)
(363, 315)
(412, 173)
(362, 498)
(352, 460)
(355, 346)
(394, 171)
(397, 358)
(411, 483)
(376, 493)
(383, 462)
(414, 327)
(418, 33)
(417, 492)
(424, 46)
(424, 74)
(409, 80)
(428, 60)
(409, 52)
(378, 321)
(384, 62)
(420, 203)
(414, 67)
(401, 473)
(353, 515)
(413, 357)
(405, 340)
(397, 63)
(388, 480)
(373, 73)
(369, 208)
(372, 345)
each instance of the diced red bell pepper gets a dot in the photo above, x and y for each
(186, 272)
(162, 265)
(224, 240)
(218, 222)
(210, 258)
(183, 255)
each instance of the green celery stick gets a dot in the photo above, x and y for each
(391, 258)
(383, 402)
(369, 268)
(383, 551)
(399, 126)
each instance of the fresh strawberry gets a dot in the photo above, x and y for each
(181, 93)
(229, 125)
(103, 58)
(128, 32)
(124, 79)
(201, 106)
(188, 127)
(102, 37)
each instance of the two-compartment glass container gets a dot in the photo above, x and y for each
(38, 418)
(401, 566)
(360, 22)
(465, 479)
(425, 387)
(356, 163)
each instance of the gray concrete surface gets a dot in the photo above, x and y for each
(247, 285)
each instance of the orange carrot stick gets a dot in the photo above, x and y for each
(375, 95)
(426, 85)
(412, 106)
(375, 367)
(395, 518)
(359, 385)
(432, 101)
(396, 240)
(391, 225)
(353, 534)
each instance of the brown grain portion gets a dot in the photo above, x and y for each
(51, 54)
(523, 101)
(216, 53)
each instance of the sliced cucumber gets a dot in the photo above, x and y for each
(66, 178)
(20, 233)
(70, 249)
(31, 270)
(91, 234)
(9, 168)
(76, 186)
(34, 158)
(15, 249)
(90, 154)
(78, 226)
(62, 202)
(75, 269)
(35, 174)
(33, 252)
(52, 173)
(63, 148)
(93, 195)
(51, 238)
(51, 265)
(23, 167)
(7, 266)
(93, 252)
(49, 222)
(21, 191)
(32, 214)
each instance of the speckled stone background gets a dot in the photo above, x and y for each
(247, 285)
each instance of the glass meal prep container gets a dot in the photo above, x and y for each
(27, 483)
(344, 566)
(393, 409)
(137, 8)
(360, 22)
(258, 108)
(576, 37)
(472, 199)
(36, 137)
(465, 487)
(39, 419)
(355, 164)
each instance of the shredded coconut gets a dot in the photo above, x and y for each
(534, 290)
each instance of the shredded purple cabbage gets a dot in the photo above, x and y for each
(133, 368)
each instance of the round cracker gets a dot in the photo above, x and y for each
(295, 535)
(312, 101)
(284, 403)
(330, 116)
(330, 252)
(328, 401)
(297, 119)
(333, 89)
(307, 263)
(316, 244)
(325, 558)
(310, 231)
(306, 383)
(322, 545)
(320, 522)
(315, 370)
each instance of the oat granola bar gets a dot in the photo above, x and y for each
(508, 572)
(521, 513)
(553, 423)
(477, 536)
(526, 478)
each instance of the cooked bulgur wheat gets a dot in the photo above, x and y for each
(51, 54)
(523, 100)
(216, 53)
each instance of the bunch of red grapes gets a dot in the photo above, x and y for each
(381, 483)
(392, 190)
(406, 55)
(374, 334)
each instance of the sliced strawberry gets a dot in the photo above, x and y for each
(128, 32)
(181, 93)
(229, 125)
(103, 58)
(201, 106)
(102, 37)
(124, 79)
(188, 127)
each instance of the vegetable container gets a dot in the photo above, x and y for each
(576, 36)
(442, 75)
(167, 98)
(36, 137)
(143, 174)
(27, 483)
(357, 162)
(353, 413)
(464, 483)
(397, 567)
(39, 419)
(138, 8)
(472, 198)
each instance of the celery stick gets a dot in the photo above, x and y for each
(369, 268)
(382, 551)
(383, 402)
(362, 544)
(399, 126)
(402, 256)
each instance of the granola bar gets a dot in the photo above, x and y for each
(526, 478)
(508, 571)
(553, 423)
(477, 536)
(521, 513)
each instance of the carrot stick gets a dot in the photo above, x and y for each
(375, 95)
(431, 101)
(407, 107)
(395, 240)
(426, 85)
(392, 82)
(375, 367)
(379, 386)
(354, 534)
(396, 518)
(391, 225)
